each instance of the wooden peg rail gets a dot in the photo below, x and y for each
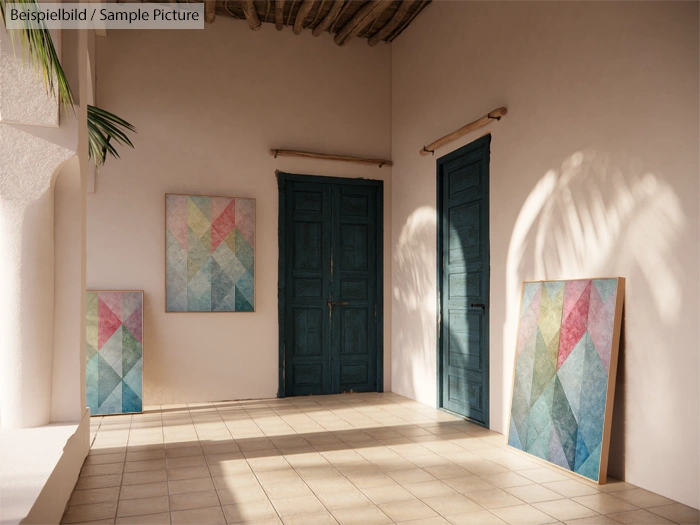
(496, 114)
(323, 156)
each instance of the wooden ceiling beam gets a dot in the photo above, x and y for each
(279, 14)
(251, 15)
(329, 18)
(408, 20)
(392, 24)
(304, 10)
(209, 11)
(318, 13)
(366, 15)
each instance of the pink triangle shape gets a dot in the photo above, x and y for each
(113, 300)
(176, 220)
(575, 323)
(529, 320)
(135, 323)
(600, 325)
(107, 323)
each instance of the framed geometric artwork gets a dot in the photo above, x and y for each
(564, 374)
(209, 254)
(114, 347)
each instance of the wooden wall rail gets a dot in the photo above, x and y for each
(323, 156)
(496, 114)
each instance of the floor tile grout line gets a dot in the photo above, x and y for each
(364, 409)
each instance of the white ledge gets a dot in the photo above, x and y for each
(38, 470)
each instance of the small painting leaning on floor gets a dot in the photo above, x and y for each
(114, 352)
(564, 378)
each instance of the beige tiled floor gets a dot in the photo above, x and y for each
(359, 459)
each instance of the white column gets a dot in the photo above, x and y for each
(26, 276)
(30, 155)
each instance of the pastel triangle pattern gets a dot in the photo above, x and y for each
(564, 348)
(210, 254)
(114, 352)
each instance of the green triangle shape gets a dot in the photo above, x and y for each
(203, 203)
(571, 375)
(244, 251)
(135, 378)
(564, 423)
(91, 382)
(242, 304)
(90, 351)
(544, 370)
(540, 415)
(107, 380)
(131, 351)
(113, 403)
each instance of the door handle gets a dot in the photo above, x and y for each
(479, 305)
(338, 303)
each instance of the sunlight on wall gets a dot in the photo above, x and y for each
(416, 305)
(598, 216)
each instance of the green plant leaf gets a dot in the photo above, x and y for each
(103, 126)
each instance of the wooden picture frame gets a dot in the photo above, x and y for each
(588, 333)
(178, 259)
(113, 341)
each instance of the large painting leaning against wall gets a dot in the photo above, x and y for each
(565, 367)
(114, 352)
(209, 254)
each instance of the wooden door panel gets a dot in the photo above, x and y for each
(307, 332)
(307, 320)
(355, 281)
(331, 333)
(464, 274)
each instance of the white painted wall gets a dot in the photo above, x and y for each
(31, 155)
(594, 172)
(42, 278)
(208, 106)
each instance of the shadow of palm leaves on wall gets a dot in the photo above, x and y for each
(596, 213)
(599, 216)
(415, 300)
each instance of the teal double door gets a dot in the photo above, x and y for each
(330, 282)
(463, 281)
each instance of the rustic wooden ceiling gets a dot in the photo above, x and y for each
(375, 20)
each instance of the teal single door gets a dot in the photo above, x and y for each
(463, 281)
(330, 236)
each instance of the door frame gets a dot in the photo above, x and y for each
(479, 143)
(282, 179)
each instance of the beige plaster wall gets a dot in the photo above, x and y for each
(594, 172)
(208, 106)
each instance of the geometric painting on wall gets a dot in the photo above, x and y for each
(210, 254)
(114, 347)
(565, 368)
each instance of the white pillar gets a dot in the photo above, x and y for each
(26, 277)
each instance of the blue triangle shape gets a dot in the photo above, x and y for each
(513, 438)
(130, 401)
(581, 452)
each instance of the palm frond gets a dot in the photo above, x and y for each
(103, 126)
(38, 45)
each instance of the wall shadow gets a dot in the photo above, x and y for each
(601, 215)
(416, 304)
